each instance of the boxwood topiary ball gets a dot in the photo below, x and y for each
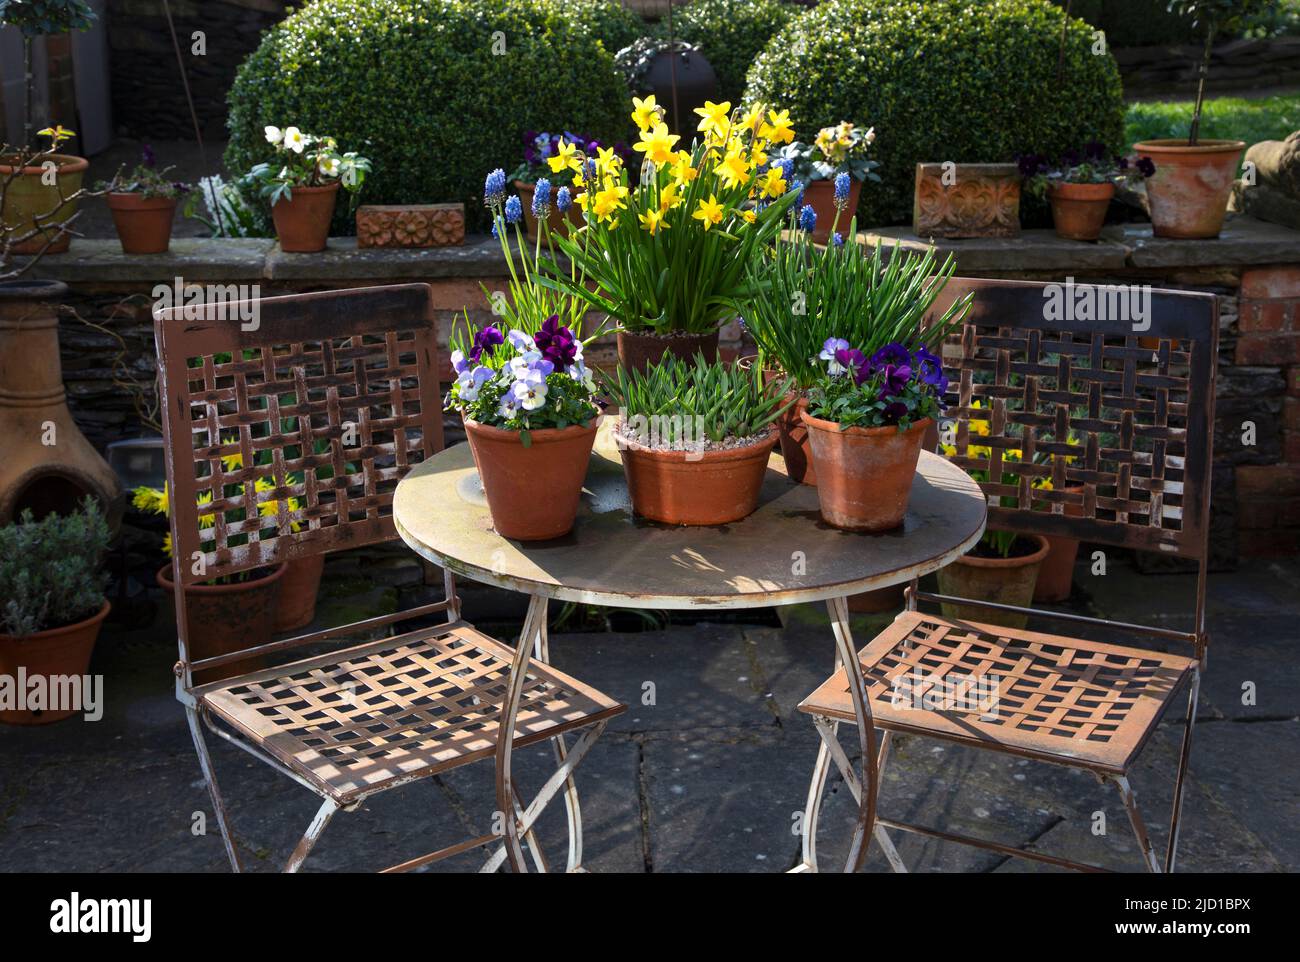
(941, 80)
(435, 92)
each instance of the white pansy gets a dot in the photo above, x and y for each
(531, 394)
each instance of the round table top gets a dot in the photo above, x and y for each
(781, 554)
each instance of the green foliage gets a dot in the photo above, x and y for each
(1216, 15)
(730, 34)
(668, 401)
(805, 297)
(941, 80)
(49, 569)
(1228, 118)
(1133, 23)
(38, 18)
(417, 86)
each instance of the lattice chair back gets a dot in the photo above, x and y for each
(1093, 427)
(287, 440)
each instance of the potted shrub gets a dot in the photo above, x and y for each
(1079, 186)
(234, 611)
(303, 184)
(40, 210)
(805, 297)
(695, 437)
(52, 603)
(667, 258)
(535, 169)
(526, 396)
(837, 150)
(143, 205)
(1188, 195)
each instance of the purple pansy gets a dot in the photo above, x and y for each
(556, 342)
(485, 341)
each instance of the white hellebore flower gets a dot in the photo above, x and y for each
(329, 166)
(870, 135)
(273, 134)
(294, 139)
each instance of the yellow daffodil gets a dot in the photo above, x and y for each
(657, 144)
(653, 221)
(734, 169)
(748, 215)
(150, 499)
(773, 184)
(232, 462)
(709, 211)
(757, 156)
(646, 112)
(563, 157)
(670, 197)
(778, 128)
(752, 118)
(606, 160)
(682, 169)
(608, 200)
(714, 117)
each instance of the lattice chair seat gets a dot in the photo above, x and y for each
(1057, 698)
(359, 721)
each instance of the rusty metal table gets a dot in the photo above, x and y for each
(781, 554)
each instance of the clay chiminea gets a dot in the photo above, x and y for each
(47, 464)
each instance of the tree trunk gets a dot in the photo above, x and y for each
(1200, 84)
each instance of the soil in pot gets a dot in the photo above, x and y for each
(28, 197)
(1188, 193)
(228, 618)
(1079, 210)
(717, 485)
(144, 224)
(985, 575)
(533, 492)
(821, 195)
(298, 590)
(864, 475)
(302, 223)
(637, 350)
(63, 651)
(1056, 575)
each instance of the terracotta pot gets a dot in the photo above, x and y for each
(1005, 581)
(1188, 193)
(28, 197)
(555, 219)
(532, 492)
(795, 446)
(298, 590)
(864, 475)
(228, 618)
(637, 350)
(61, 651)
(144, 224)
(876, 601)
(1079, 210)
(821, 195)
(302, 223)
(696, 487)
(1056, 575)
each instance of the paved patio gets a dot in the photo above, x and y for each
(708, 778)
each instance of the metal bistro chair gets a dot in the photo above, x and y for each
(1131, 425)
(329, 401)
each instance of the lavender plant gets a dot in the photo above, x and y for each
(50, 569)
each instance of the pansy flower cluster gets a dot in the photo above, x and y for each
(1092, 165)
(895, 385)
(539, 148)
(520, 381)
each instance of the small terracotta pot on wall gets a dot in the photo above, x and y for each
(1056, 576)
(864, 475)
(302, 223)
(1079, 210)
(796, 449)
(298, 590)
(821, 195)
(144, 224)
(555, 218)
(228, 618)
(696, 487)
(532, 492)
(1004, 581)
(1188, 193)
(637, 350)
(61, 651)
(28, 197)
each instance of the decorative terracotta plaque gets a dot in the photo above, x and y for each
(410, 225)
(966, 200)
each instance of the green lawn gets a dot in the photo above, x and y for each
(1267, 118)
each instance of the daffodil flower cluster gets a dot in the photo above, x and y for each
(305, 160)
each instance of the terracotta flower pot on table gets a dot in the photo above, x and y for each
(225, 618)
(637, 350)
(302, 223)
(864, 475)
(696, 487)
(62, 652)
(1188, 193)
(1004, 581)
(533, 492)
(144, 224)
(1079, 210)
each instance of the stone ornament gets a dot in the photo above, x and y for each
(410, 225)
(966, 200)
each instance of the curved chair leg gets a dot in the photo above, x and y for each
(813, 806)
(838, 609)
(209, 776)
(1184, 756)
(558, 744)
(1135, 819)
(506, 729)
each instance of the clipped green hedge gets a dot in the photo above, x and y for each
(417, 86)
(941, 80)
(730, 34)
